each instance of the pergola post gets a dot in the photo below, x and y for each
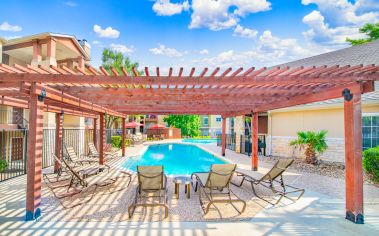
(95, 132)
(34, 154)
(123, 136)
(58, 140)
(102, 138)
(223, 136)
(353, 157)
(254, 141)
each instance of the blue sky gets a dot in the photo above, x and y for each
(196, 32)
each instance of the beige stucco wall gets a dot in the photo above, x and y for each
(160, 120)
(5, 115)
(73, 122)
(283, 125)
(13, 60)
(214, 123)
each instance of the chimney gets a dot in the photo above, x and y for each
(85, 45)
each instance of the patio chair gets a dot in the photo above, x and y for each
(268, 180)
(152, 183)
(73, 157)
(216, 186)
(101, 179)
(95, 154)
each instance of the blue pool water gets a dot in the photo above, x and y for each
(177, 159)
(201, 141)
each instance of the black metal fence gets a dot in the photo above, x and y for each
(245, 144)
(13, 148)
(230, 141)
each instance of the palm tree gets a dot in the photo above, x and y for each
(313, 142)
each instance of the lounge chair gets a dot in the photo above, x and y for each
(94, 153)
(62, 173)
(268, 180)
(73, 157)
(216, 186)
(104, 178)
(152, 183)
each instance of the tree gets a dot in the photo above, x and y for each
(116, 60)
(312, 142)
(371, 30)
(189, 124)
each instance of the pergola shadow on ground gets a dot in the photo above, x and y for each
(85, 91)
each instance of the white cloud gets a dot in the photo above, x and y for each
(217, 15)
(270, 50)
(204, 52)
(343, 12)
(108, 32)
(70, 4)
(165, 51)
(166, 8)
(240, 31)
(5, 26)
(95, 42)
(321, 32)
(336, 20)
(122, 48)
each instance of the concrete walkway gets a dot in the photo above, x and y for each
(319, 212)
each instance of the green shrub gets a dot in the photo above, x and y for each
(116, 141)
(3, 165)
(371, 162)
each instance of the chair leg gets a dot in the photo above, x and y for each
(240, 184)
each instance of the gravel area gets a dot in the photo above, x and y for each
(325, 168)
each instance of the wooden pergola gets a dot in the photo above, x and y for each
(89, 92)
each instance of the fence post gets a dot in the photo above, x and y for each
(58, 140)
(95, 132)
(102, 139)
(25, 156)
(223, 136)
(123, 137)
(254, 141)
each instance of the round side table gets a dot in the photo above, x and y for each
(182, 180)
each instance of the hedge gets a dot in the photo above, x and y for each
(371, 162)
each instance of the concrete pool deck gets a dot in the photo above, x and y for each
(319, 212)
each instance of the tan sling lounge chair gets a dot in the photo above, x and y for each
(152, 183)
(62, 174)
(104, 178)
(94, 153)
(271, 180)
(73, 157)
(216, 186)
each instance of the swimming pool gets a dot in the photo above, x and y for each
(200, 141)
(177, 159)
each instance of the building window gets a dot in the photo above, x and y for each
(205, 121)
(218, 119)
(370, 130)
